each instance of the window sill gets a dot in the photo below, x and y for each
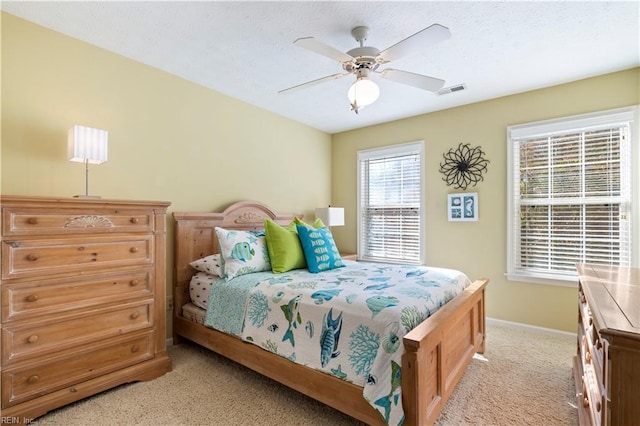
(390, 261)
(550, 280)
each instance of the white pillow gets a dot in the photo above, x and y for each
(200, 287)
(210, 264)
(242, 252)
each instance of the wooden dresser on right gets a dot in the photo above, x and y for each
(607, 364)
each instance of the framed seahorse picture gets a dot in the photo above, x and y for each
(462, 207)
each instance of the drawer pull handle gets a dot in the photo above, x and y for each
(33, 338)
(32, 257)
(598, 406)
(135, 315)
(33, 221)
(134, 220)
(133, 249)
(134, 283)
(585, 402)
(135, 348)
(32, 298)
(32, 379)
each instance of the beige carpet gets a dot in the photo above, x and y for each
(524, 378)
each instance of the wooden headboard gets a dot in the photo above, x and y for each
(195, 237)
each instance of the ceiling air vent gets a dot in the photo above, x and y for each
(451, 89)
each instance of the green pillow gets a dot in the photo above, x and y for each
(318, 223)
(283, 245)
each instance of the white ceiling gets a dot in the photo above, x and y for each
(245, 49)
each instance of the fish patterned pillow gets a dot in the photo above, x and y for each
(210, 264)
(320, 250)
(242, 252)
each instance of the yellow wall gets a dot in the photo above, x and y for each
(479, 248)
(169, 139)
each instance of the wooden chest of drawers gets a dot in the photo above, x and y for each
(607, 364)
(82, 297)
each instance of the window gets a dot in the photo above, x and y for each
(390, 203)
(571, 195)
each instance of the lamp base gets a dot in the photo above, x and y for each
(87, 196)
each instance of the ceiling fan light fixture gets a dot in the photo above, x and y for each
(363, 92)
(364, 60)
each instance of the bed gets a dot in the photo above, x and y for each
(435, 353)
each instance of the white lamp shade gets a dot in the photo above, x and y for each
(87, 144)
(363, 92)
(331, 216)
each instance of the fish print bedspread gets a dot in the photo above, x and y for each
(227, 300)
(349, 322)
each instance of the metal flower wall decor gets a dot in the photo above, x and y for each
(463, 166)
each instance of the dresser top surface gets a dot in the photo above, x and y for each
(81, 202)
(615, 295)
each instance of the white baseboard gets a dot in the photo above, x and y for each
(522, 326)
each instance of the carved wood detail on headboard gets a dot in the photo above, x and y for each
(249, 217)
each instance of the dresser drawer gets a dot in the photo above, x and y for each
(585, 316)
(592, 396)
(38, 258)
(592, 345)
(21, 221)
(55, 296)
(31, 381)
(23, 340)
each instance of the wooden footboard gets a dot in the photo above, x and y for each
(437, 354)
(437, 351)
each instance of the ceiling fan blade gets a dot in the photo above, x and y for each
(313, 82)
(323, 49)
(420, 81)
(417, 42)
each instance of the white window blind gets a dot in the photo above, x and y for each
(570, 195)
(390, 204)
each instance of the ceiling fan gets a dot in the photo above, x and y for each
(365, 60)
